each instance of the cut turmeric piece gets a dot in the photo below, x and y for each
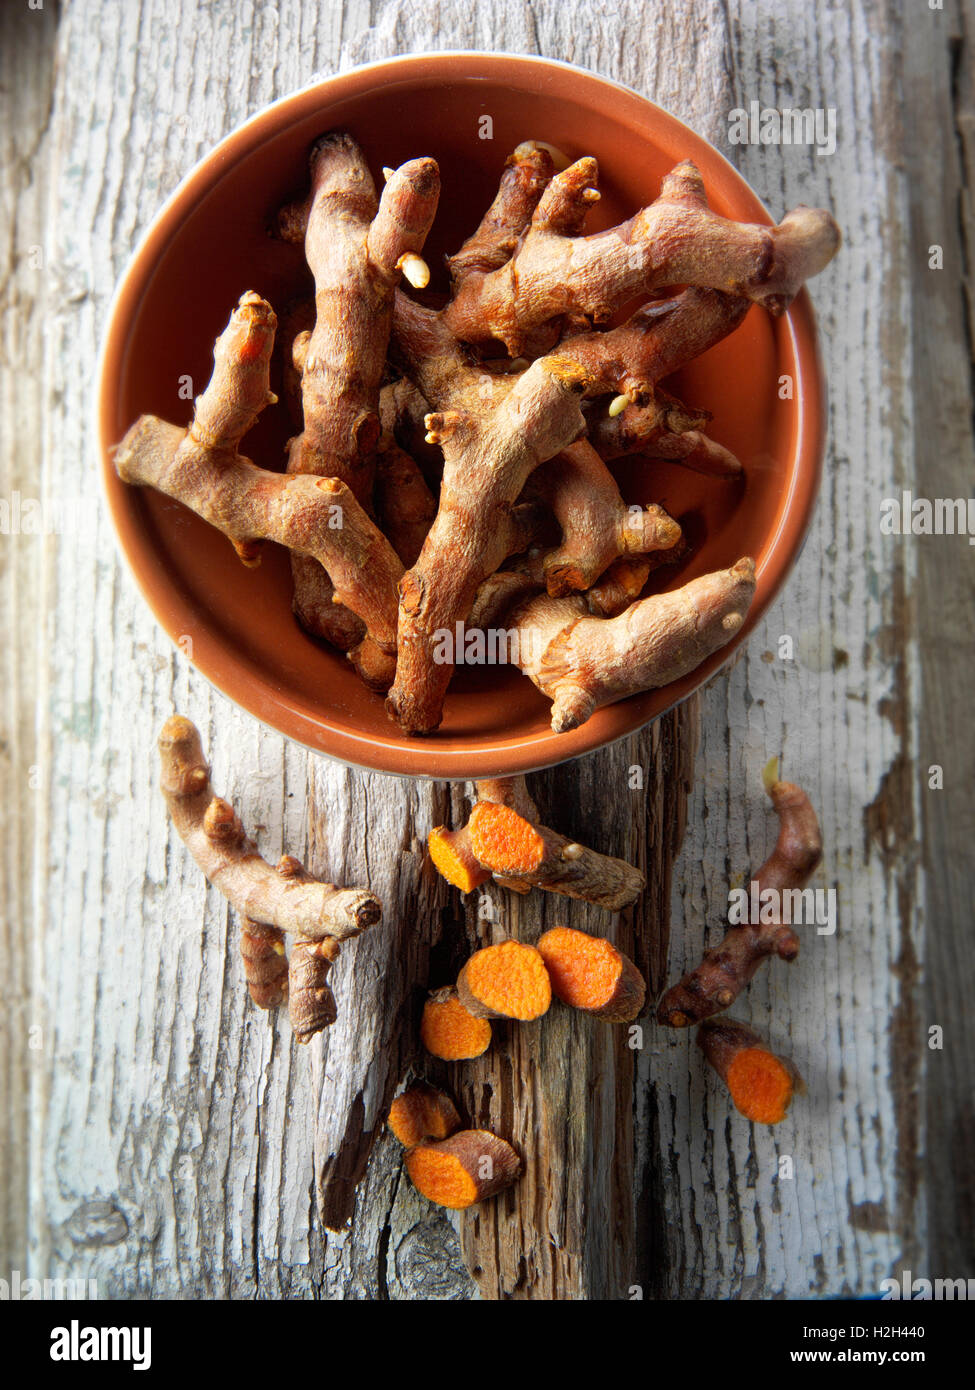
(760, 1083)
(422, 1113)
(510, 844)
(505, 981)
(589, 973)
(469, 1167)
(451, 1032)
(452, 855)
(504, 840)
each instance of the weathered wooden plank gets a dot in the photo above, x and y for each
(851, 1213)
(26, 87)
(939, 58)
(171, 1125)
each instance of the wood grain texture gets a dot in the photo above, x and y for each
(175, 1137)
(26, 90)
(940, 95)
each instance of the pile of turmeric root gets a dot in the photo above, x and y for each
(450, 467)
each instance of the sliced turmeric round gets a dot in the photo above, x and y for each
(469, 1167)
(761, 1085)
(505, 981)
(422, 1113)
(504, 841)
(451, 1032)
(589, 973)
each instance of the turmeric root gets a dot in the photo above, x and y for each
(725, 971)
(677, 240)
(311, 1003)
(509, 845)
(495, 431)
(269, 900)
(405, 506)
(503, 838)
(469, 1167)
(582, 663)
(660, 427)
(761, 1085)
(597, 525)
(356, 247)
(318, 517)
(421, 1113)
(623, 582)
(451, 1032)
(505, 981)
(589, 973)
(265, 958)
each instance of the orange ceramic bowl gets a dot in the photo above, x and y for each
(210, 243)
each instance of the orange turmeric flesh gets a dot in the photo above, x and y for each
(449, 1031)
(441, 1178)
(761, 1085)
(470, 1166)
(452, 856)
(503, 841)
(506, 981)
(583, 969)
(421, 1113)
(588, 972)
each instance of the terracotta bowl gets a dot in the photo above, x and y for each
(210, 243)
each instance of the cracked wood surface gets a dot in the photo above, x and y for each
(159, 1134)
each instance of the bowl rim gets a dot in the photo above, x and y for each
(417, 757)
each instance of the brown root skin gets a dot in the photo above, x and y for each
(653, 343)
(508, 980)
(677, 240)
(311, 1003)
(582, 663)
(450, 1031)
(315, 517)
(353, 245)
(527, 173)
(469, 1167)
(422, 1112)
(760, 1083)
(269, 901)
(405, 506)
(263, 952)
(403, 411)
(597, 525)
(725, 971)
(661, 432)
(591, 974)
